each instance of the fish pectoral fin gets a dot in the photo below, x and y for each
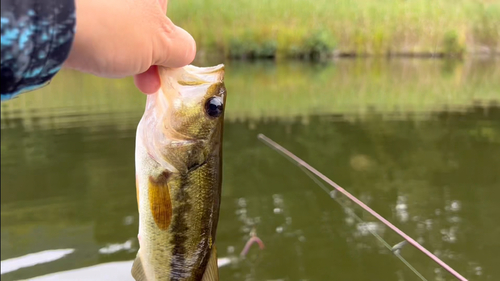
(212, 270)
(138, 270)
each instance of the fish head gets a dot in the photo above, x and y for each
(184, 119)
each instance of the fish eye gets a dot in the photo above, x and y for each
(214, 107)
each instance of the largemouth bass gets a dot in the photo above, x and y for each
(179, 175)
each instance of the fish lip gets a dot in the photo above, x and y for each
(194, 76)
(205, 70)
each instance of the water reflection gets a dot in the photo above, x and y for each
(17, 263)
(266, 90)
(68, 181)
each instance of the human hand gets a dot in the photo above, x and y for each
(116, 38)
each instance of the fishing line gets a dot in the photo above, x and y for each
(332, 193)
(396, 249)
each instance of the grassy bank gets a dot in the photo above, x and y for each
(267, 90)
(302, 28)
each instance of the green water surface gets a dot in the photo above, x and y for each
(417, 140)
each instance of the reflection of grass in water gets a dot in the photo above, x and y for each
(285, 90)
(287, 28)
(357, 86)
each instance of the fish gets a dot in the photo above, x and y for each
(178, 163)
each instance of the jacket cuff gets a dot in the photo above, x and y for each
(36, 40)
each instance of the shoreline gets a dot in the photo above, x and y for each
(486, 53)
(352, 86)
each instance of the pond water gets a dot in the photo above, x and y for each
(417, 140)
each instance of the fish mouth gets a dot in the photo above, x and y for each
(187, 86)
(194, 75)
(205, 70)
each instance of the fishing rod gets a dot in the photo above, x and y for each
(396, 249)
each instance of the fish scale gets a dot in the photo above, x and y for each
(179, 176)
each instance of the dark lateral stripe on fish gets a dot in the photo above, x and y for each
(159, 200)
(208, 243)
(180, 229)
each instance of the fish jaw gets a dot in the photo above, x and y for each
(175, 116)
(179, 177)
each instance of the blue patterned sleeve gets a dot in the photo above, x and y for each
(36, 40)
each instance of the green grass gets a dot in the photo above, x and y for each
(315, 29)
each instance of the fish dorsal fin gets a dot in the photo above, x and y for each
(138, 271)
(212, 271)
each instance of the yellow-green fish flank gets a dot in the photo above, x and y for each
(179, 175)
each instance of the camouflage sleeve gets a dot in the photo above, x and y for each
(36, 40)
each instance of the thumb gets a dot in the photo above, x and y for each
(163, 5)
(173, 46)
